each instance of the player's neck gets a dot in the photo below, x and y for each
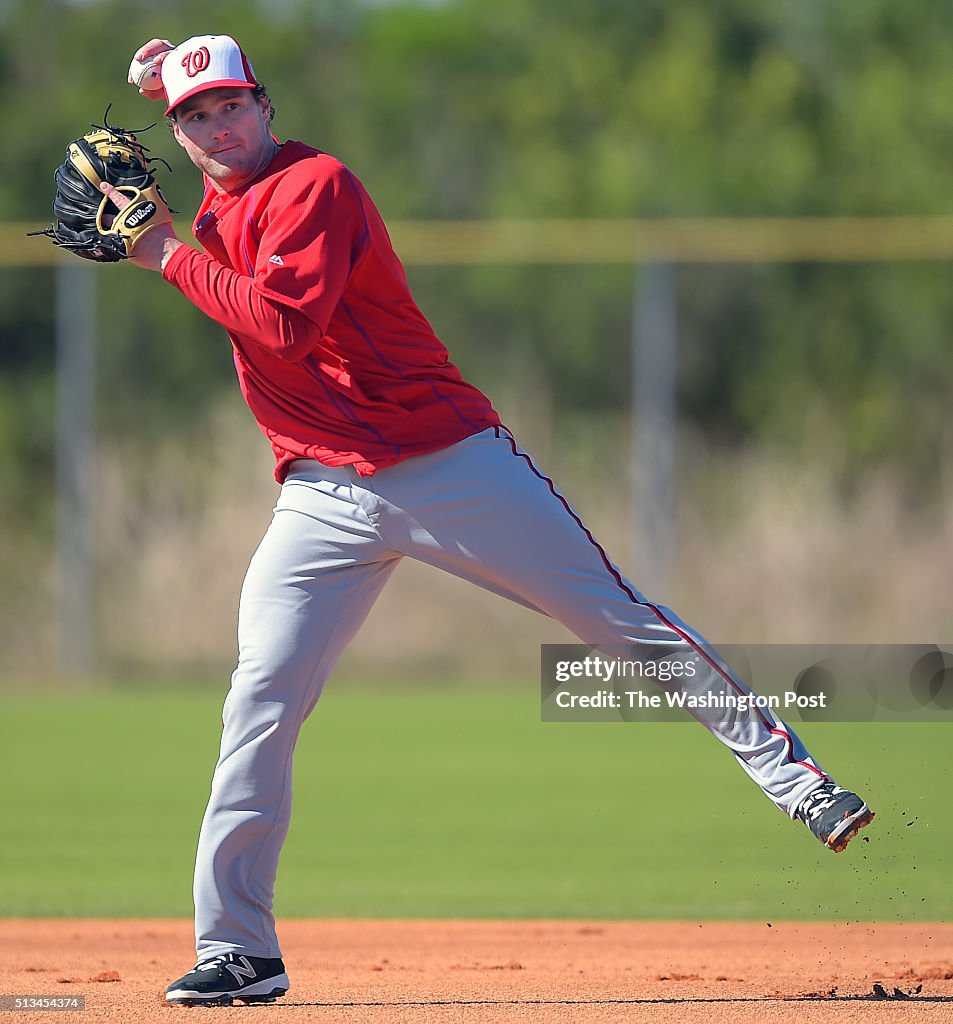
(229, 184)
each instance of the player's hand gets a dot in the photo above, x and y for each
(153, 248)
(157, 48)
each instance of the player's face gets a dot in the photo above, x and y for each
(226, 133)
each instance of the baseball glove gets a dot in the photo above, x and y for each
(85, 221)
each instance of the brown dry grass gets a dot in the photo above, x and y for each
(768, 551)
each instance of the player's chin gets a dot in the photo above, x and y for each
(228, 169)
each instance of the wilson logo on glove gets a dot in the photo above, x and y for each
(142, 213)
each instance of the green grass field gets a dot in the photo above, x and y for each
(460, 803)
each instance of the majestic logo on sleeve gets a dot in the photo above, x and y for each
(196, 61)
(277, 260)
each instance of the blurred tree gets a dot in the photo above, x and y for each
(522, 108)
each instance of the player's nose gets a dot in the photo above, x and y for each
(219, 128)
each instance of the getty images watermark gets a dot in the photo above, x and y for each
(799, 682)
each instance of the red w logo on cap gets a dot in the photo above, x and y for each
(196, 61)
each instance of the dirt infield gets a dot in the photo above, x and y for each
(510, 971)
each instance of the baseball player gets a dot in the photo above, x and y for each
(383, 451)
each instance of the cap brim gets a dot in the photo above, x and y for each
(225, 83)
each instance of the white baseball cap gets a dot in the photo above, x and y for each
(205, 62)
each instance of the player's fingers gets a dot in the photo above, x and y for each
(153, 47)
(116, 197)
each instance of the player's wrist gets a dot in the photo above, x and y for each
(154, 249)
(169, 246)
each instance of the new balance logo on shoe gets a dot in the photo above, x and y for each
(241, 970)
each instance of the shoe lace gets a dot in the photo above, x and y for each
(818, 802)
(214, 961)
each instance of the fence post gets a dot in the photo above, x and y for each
(75, 467)
(654, 342)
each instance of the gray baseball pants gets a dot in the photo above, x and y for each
(479, 509)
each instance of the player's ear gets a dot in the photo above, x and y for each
(177, 132)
